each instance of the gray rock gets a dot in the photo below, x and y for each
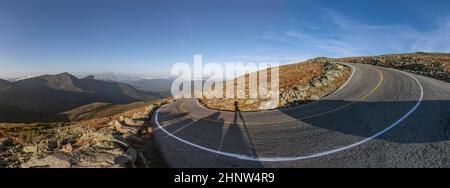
(140, 115)
(101, 159)
(123, 129)
(106, 145)
(142, 159)
(317, 83)
(122, 159)
(325, 82)
(120, 141)
(6, 142)
(330, 77)
(133, 153)
(115, 123)
(132, 138)
(128, 159)
(314, 97)
(303, 94)
(302, 87)
(133, 122)
(68, 148)
(52, 144)
(128, 130)
(30, 149)
(52, 161)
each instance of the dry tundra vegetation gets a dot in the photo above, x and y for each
(298, 84)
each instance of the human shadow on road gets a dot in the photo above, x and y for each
(237, 138)
(211, 132)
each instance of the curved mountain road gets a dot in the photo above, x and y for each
(381, 118)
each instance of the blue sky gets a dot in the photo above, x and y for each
(147, 37)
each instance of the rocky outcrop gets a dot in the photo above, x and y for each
(56, 160)
(435, 65)
(121, 142)
(320, 86)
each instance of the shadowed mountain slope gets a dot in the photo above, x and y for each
(50, 94)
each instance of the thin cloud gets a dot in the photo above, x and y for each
(347, 36)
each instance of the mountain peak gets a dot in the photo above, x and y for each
(63, 81)
(65, 74)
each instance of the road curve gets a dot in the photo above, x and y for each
(381, 118)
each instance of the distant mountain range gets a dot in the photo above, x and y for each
(32, 98)
(122, 77)
(160, 85)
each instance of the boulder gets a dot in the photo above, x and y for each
(52, 144)
(303, 94)
(112, 142)
(131, 138)
(106, 145)
(30, 149)
(128, 130)
(5, 142)
(150, 108)
(304, 87)
(337, 74)
(317, 83)
(133, 153)
(147, 130)
(120, 141)
(52, 161)
(142, 160)
(67, 148)
(123, 129)
(314, 97)
(127, 159)
(122, 160)
(133, 122)
(115, 123)
(324, 82)
(140, 115)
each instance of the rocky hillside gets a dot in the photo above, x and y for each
(435, 65)
(298, 83)
(120, 140)
(333, 77)
(46, 95)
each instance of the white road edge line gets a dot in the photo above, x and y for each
(296, 158)
(349, 78)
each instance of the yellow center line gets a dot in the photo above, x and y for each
(303, 118)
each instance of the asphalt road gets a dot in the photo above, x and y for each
(381, 118)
